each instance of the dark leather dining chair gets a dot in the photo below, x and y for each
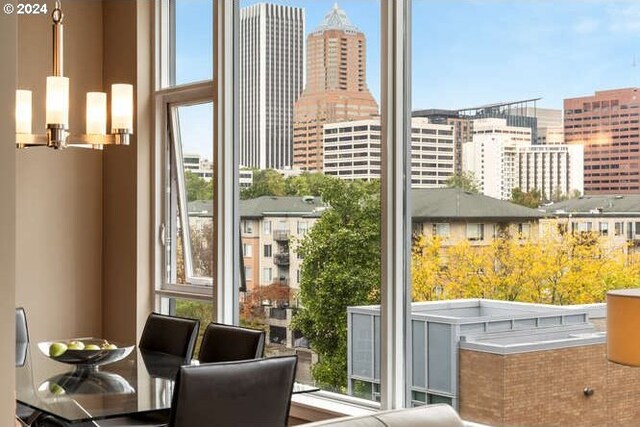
(22, 336)
(226, 343)
(170, 335)
(232, 394)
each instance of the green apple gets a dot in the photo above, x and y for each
(56, 389)
(76, 345)
(91, 347)
(108, 346)
(57, 349)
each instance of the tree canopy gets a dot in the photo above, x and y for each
(568, 269)
(197, 188)
(269, 182)
(531, 199)
(464, 180)
(340, 268)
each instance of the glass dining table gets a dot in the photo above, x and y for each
(140, 384)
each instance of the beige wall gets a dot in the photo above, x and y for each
(8, 53)
(59, 204)
(127, 295)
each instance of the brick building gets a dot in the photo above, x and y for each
(336, 88)
(504, 363)
(607, 125)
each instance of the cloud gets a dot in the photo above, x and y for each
(586, 26)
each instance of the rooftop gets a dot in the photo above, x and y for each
(336, 19)
(507, 327)
(448, 203)
(307, 206)
(602, 205)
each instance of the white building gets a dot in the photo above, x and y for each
(352, 151)
(552, 169)
(271, 77)
(198, 166)
(492, 155)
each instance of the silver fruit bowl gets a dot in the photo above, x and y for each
(86, 381)
(87, 358)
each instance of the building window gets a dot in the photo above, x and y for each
(266, 226)
(475, 232)
(619, 228)
(585, 227)
(248, 273)
(266, 276)
(247, 250)
(303, 227)
(267, 251)
(603, 228)
(441, 230)
(247, 226)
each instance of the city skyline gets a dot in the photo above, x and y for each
(510, 57)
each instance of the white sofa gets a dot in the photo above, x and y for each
(440, 415)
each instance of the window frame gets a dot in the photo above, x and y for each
(395, 181)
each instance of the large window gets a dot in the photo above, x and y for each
(306, 69)
(533, 124)
(316, 278)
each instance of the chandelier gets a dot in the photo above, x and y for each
(57, 108)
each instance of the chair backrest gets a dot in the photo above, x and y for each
(225, 343)
(254, 393)
(22, 336)
(170, 335)
(22, 331)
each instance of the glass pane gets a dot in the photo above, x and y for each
(193, 36)
(524, 162)
(318, 235)
(439, 357)
(190, 252)
(203, 311)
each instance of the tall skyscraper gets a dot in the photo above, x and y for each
(271, 79)
(607, 125)
(336, 88)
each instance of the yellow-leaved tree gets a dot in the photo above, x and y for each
(566, 269)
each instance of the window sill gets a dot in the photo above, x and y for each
(323, 405)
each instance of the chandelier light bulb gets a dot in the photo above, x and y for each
(23, 111)
(121, 108)
(96, 113)
(58, 101)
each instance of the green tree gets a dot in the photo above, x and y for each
(340, 268)
(531, 199)
(464, 180)
(307, 184)
(266, 182)
(198, 188)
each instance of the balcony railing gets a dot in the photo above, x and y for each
(281, 235)
(278, 313)
(281, 259)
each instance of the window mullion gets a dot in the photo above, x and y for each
(396, 212)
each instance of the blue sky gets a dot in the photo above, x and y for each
(473, 52)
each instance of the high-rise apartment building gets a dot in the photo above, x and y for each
(462, 129)
(607, 124)
(336, 88)
(555, 169)
(271, 78)
(352, 151)
(492, 155)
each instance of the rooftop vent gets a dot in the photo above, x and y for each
(308, 199)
